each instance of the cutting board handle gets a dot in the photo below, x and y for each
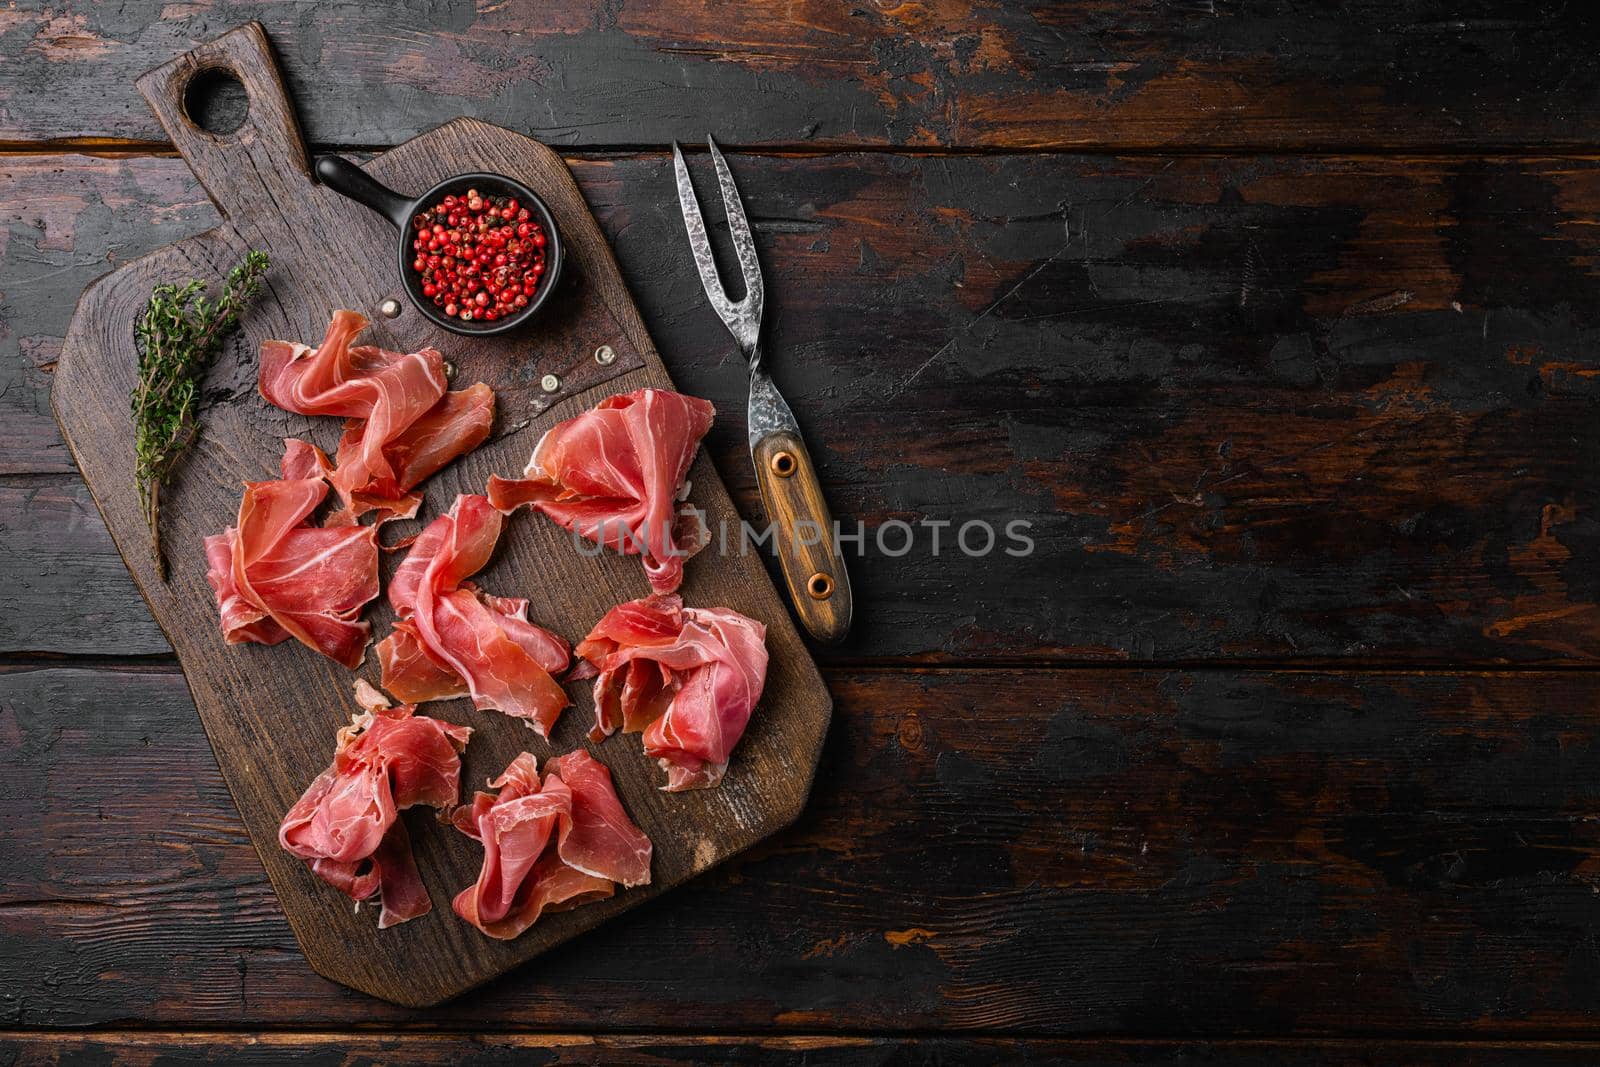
(248, 171)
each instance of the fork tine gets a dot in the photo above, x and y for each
(700, 244)
(744, 245)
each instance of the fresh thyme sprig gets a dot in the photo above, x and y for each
(178, 334)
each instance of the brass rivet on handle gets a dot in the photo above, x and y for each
(549, 383)
(390, 308)
(605, 355)
(820, 586)
(783, 464)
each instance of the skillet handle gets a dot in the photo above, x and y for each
(819, 586)
(347, 179)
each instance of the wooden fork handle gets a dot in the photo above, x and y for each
(803, 533)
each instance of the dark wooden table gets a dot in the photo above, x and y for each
(1279, 323)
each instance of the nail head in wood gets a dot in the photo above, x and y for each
(605, 355)
(549, 383)
(390, 308)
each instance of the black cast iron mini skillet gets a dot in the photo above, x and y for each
(347, 179)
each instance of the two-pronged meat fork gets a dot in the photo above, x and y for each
(802, 527)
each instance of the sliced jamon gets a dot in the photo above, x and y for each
(687, 677)
(599, 840)
(613, 476)
(456, 425)
(403, 424)
(276, 576)
(548, 846)
(346, 826)
(452, 639)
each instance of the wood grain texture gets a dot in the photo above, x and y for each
(1254, 408)
(1127, 852)
(167, 1049)
(1146, 74)
(803, 534)
(271, 712)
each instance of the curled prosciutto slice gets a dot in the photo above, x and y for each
(613, 475)
(403, 425)
(346, 826)
(599, 839)
(687, 677)
(548, 846)
(276, 576)
(452, 639)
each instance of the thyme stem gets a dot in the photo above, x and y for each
(178, 335)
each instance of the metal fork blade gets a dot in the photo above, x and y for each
(743, 319)
(744, 245)
(699, 243)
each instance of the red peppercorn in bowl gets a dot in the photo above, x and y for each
(479, 253)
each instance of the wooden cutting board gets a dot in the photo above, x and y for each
(271, 713)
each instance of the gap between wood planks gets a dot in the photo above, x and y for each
(420, 1033)
(932, 664)
(117, 148)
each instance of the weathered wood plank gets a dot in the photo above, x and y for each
(175, 1049)
(1256, 408)
(1150, 852)
(1205, 73)
(55, 541)
(67, 220)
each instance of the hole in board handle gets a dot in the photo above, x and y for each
(783, 464)
(820, 586)
(215, 101)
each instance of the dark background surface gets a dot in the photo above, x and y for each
(1277, 321)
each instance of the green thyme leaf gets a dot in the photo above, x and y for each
(177, 336)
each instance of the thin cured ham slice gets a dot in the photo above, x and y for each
(599, 840)
(403, 424)
(346, 826)
(456, 425)
(452, 639)
(276, 576)
(687, 677)
(548, 846)
(613, 475)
